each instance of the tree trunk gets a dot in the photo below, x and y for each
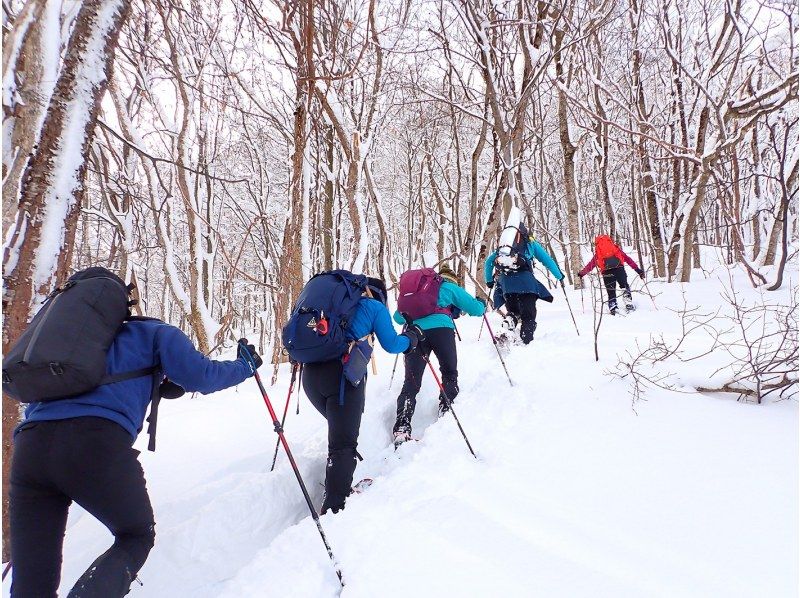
(568, 151)
(40, 248)
(31, 51)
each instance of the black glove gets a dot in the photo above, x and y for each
(169, 390)
(415, 336)
(561, 280)
(490, 284)
(640, 272)
(247, 352)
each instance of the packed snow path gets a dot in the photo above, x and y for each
(574, 493)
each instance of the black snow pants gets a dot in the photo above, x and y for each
(613, 277)
(442, 342)
(321, 383)
(523, 305)
(88, 460)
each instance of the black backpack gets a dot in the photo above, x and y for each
(515, 258)
(62, 352)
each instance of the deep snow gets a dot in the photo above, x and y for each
(574, 493)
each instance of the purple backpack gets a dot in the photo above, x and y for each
(419, 294)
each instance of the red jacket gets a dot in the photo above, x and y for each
(619, 253)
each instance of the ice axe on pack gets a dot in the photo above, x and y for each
(245, 352)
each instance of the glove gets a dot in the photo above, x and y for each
(640, 272)
(413, 338)
(169, 390)
(247, 352)
(490, 284)
(561, 280)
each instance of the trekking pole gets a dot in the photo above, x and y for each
(456, 329)
(449, 403)
(570, 307)
(480, 332)
(285, 411)
(282, 438)
(299, 385)
(6, 570)
(494, 340)
(393, 370)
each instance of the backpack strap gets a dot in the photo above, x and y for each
(152, 419)
(122, 376)
(155, 372)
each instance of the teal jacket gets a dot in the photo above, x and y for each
(535, 251)
(450, 294)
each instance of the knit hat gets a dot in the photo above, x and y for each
(447, 273)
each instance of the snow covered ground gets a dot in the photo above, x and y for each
(573, 494)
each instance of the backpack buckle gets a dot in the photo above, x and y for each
(56, 369)
(322, 326)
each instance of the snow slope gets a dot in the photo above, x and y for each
(574, 493)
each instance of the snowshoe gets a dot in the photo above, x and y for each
(509, 322)
(361, 486)
(630, 307)
(400, 437)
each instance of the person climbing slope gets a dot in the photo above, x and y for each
(77, 446)
(329, 333)
(511, 267)
(429, 300)
(610, 260)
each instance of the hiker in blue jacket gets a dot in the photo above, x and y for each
(517, 287)
(80, 449)
(438, 337)
(340, 402)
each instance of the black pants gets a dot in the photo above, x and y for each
(88, 460)
(321, 383)
(442, 342)
(523, 305)
(612, 278)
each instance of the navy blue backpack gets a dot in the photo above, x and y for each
(317, 329)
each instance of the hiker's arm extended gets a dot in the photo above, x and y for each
(587, 268)
(540, 254)
(629, 261)
(488, 267)
(464, 301)
(387, 335)
(187, 367)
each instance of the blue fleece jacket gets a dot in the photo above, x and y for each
(372, 316)
(450, 295)
(141, 344)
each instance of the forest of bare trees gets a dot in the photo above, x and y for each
(218, 154)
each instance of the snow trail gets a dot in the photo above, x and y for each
(573, 494)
